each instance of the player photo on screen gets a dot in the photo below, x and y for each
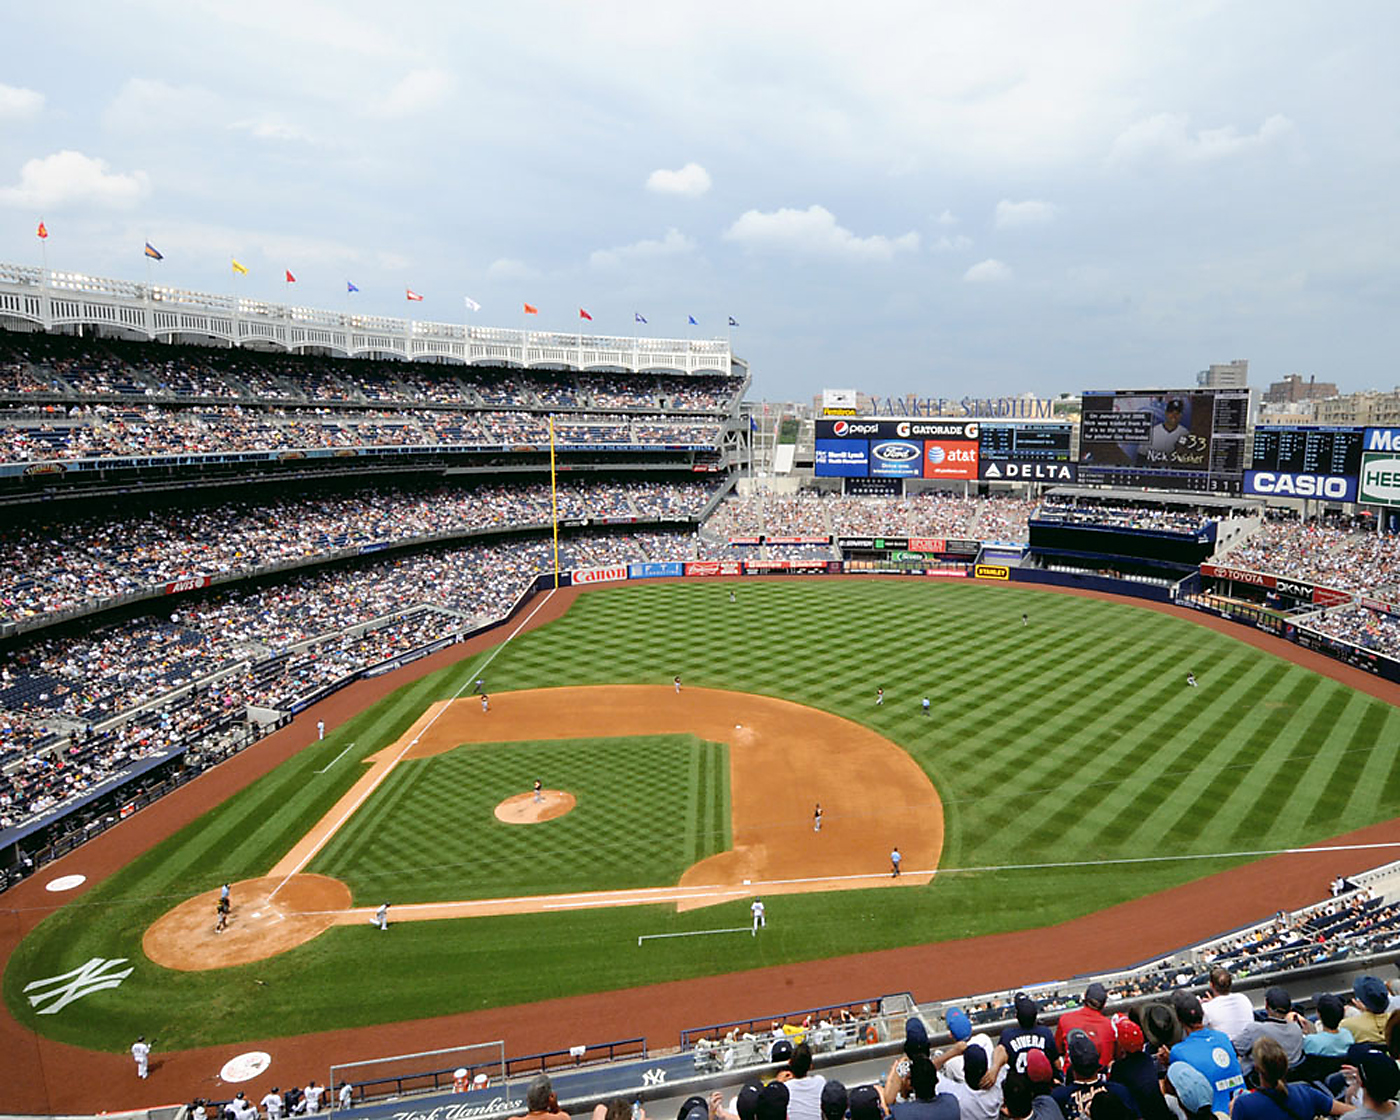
(1158, 431)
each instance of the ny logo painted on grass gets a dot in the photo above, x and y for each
(84, 980)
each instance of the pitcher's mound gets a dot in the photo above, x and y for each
(524, 809)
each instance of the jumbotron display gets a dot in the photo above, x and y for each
(1303, 461)
(965, 450)
(1165, 439)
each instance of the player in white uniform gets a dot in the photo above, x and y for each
(314, 1093)
(817, 818)
(925, 705)
(1167, 434)
(539, 791)
(678, 686)
(1191, 680)
(347, 1095)
(272, 1104)
(381, 917)
(759, 919)
(142, 1053)
(320, 729)
(485, 703)
(879, 697)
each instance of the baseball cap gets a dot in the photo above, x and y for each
(1026, 1008)
(974, 1066)
(1095, 995)
(865, 1103)
(782, 1050)
(1038, 1067)
(1192, 1088)
(1083, 1054)
(1278, 999)
(694, 1108)
(746, 1103)
(1188, 1007)
(959, 1025)
(834, 1099)
(1330, 1008)
(1379, 1074)
(772, 1102)
(915, 1036)
(1130, 1038)
(1175, 405)
(1372, 993)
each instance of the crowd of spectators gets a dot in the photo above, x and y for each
(1361, 626)
(1079, 511)
(1346, 554)
(930, 513)
(76, 708)
(53, 565)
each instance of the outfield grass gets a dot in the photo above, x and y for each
(1071, 739)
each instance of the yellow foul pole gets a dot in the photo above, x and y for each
(554, 500)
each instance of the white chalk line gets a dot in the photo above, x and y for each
(691, 933)
(336, 759)
(345, 816)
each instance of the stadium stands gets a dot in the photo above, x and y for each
(1346, 554)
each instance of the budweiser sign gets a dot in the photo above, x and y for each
(713, 568)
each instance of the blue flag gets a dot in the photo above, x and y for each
(753, 424)
(639, 316)
(349, 287)
(733, 322)
(693, 323)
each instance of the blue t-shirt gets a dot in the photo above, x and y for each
(1328, 1044)
(1303, 1102)
(1211, 1052)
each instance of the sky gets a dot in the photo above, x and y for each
(941, 198)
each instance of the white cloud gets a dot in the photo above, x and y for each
(69, 176)
(989, 271)
(418, 91)
(692, 180)
(673, 244)
(18, 104)
(152, 106)
(947, 218)
(1166, 137)
(510, 269)
(1032, 212)
(954, 244)
(270, 127)
(814, 231)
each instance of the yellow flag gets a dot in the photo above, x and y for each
(238, 268)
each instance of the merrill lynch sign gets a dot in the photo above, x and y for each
(993, 408)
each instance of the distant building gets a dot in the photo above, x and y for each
(1225, 375)
(1294, 388)
(1368, 407)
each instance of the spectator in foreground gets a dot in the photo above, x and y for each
(1084, 1079)
(1330, 1039)
(1202, 1048)
(1092, 1021)
(1367, 1022)
(835, 1100)
(1226, 1011)
(1377, 1078)
(1275, 1099)
(974, 1102)
(1191, 1094)
(1137, 1072)
(804, 1087)
(1016, 1043)
(541, 1101)
(1020, 1101)
(927, 1103)
(1281, 1025)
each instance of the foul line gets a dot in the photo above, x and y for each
(336, 759)
(689, 933)
(345, 816)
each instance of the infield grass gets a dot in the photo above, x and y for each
(1071, 739)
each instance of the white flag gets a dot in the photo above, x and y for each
(472, 305)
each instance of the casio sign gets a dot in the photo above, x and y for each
(1299, 485)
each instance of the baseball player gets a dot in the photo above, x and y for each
(1025, 621)
(314, 1093)
(320, 729)
(347, 1095)
(480, 685)
(817, 818)
(221, 908)
(678, 685)
(759, 919)
(925, 705)
(731, 596)
(485, 703)
(226, 892)
(879, 697)
(142, 1053)
(381, 919)
(539, 791)
(1191, 679)
(272, 1103)
(895, 860)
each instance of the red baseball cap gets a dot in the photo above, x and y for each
(1038, 1067)
(1130, 1038)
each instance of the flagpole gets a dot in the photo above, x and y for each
(554, 500)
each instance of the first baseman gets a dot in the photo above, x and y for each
(758, 916)
(142, 1053)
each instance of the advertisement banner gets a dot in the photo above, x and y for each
(713, 568)
(1294, 588)
(991, 571)
(746, 540)
(796, 540)
(1380, 475)
(926, 544)
(895, 458)
(1379, 605)
(842, 458)
(946, 573)
(962, 548)
(600, 575)
(790, 567)
(1333, 487)
(191, 584)
(1239, 575)
(950, 459)
(1019, 471)
(655, 570)
(1330, 596)
(1381, 439)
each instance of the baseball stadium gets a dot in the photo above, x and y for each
(444, 719)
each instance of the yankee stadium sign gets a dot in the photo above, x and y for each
(993, 408)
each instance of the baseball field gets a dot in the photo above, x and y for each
(1063, 766)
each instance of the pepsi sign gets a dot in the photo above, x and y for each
(1331, 487)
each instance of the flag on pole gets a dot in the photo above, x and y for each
(42, 233)
(733, 322)
(637, 315)
(582, 314)
(472, 305)
(290, 278)
(154, 253)
(349, 287)
(531, 310)
(409, 293)
(693, 323)
(238, 268)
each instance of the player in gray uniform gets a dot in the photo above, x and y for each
(895, 860)
(817, 818)
(381, 917)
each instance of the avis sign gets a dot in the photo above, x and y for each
(1380, 479)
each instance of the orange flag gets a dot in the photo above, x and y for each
(531, 310)
(290, 278)
(42, 232)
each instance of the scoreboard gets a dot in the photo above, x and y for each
(1305, 462)
(1046, 442)
(946, 448)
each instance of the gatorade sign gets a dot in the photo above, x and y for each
(1380, 479)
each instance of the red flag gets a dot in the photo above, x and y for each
(411, 294)
(42, 232)
(290, 278)
(582, 314)
(531, 310)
